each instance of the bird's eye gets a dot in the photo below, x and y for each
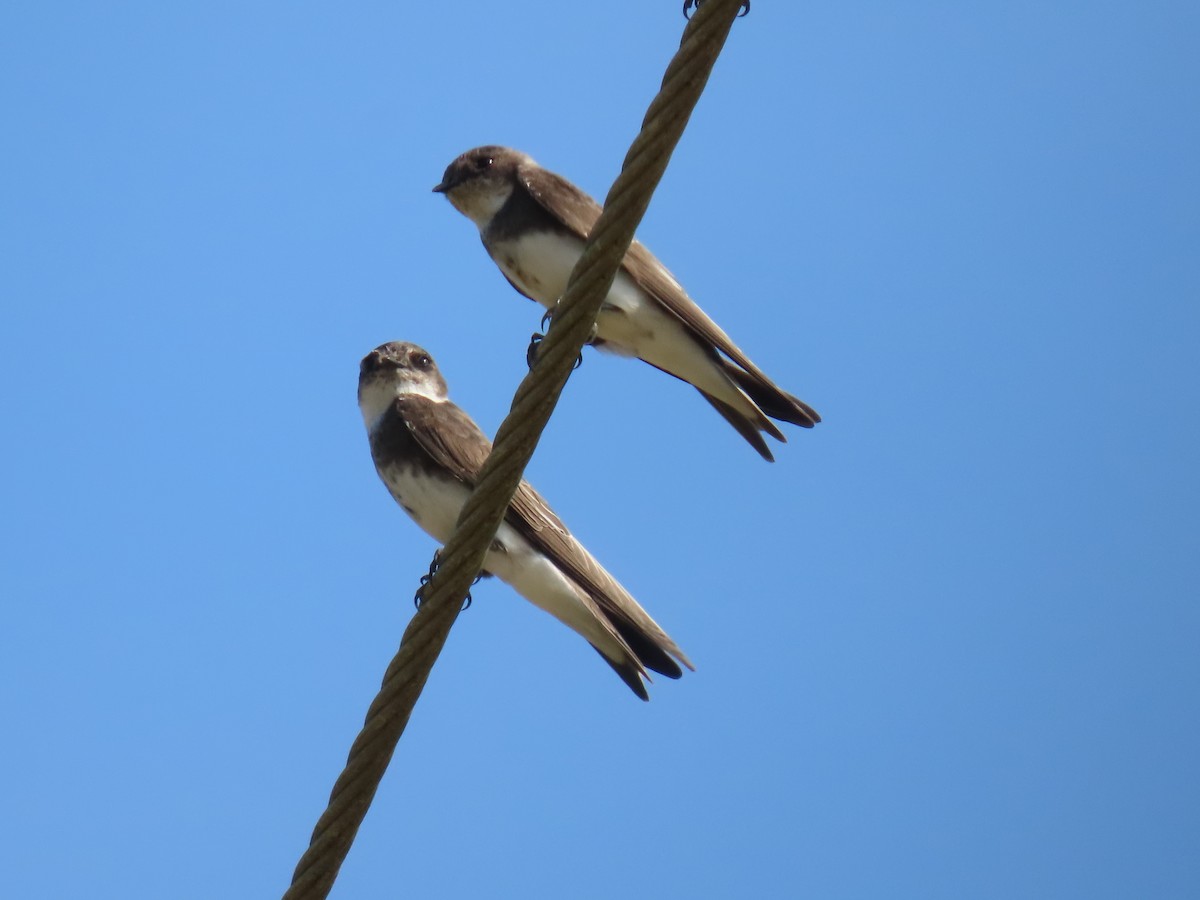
(483, 162)
(421, 360)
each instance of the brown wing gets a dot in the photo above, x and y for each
(561, 199)
(538, 524)
(447, 434)
(452, 440)
(579, 212)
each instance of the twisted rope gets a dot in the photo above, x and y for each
(462, 557)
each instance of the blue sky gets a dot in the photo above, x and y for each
(946, 645)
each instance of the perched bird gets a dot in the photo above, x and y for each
(428, 453)
(534, 223)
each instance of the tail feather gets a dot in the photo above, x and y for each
(649, 652)
(629, 672)
(775, 402)
(743, 426)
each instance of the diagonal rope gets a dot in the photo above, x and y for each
(462, 557)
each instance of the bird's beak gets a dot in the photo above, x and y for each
(370, 362)
(440, 188)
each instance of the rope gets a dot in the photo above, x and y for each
(462, 557)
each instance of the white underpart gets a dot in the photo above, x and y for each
(434, 504)
(376, 397)
(630, 322)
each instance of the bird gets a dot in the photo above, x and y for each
(533, 224)
(428, 453)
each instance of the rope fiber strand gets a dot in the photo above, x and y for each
(462, 558)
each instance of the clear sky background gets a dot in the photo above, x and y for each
(947, 646)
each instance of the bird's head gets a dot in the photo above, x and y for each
(479, 182)
(393, 370)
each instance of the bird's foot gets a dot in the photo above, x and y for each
(531, 353)
(434, 565)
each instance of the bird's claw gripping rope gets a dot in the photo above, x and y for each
(531, 353)
(419, 596)
(688, 5)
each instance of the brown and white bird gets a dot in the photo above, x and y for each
(428, 453)
(534, 223)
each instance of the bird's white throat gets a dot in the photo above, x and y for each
(376, 397)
